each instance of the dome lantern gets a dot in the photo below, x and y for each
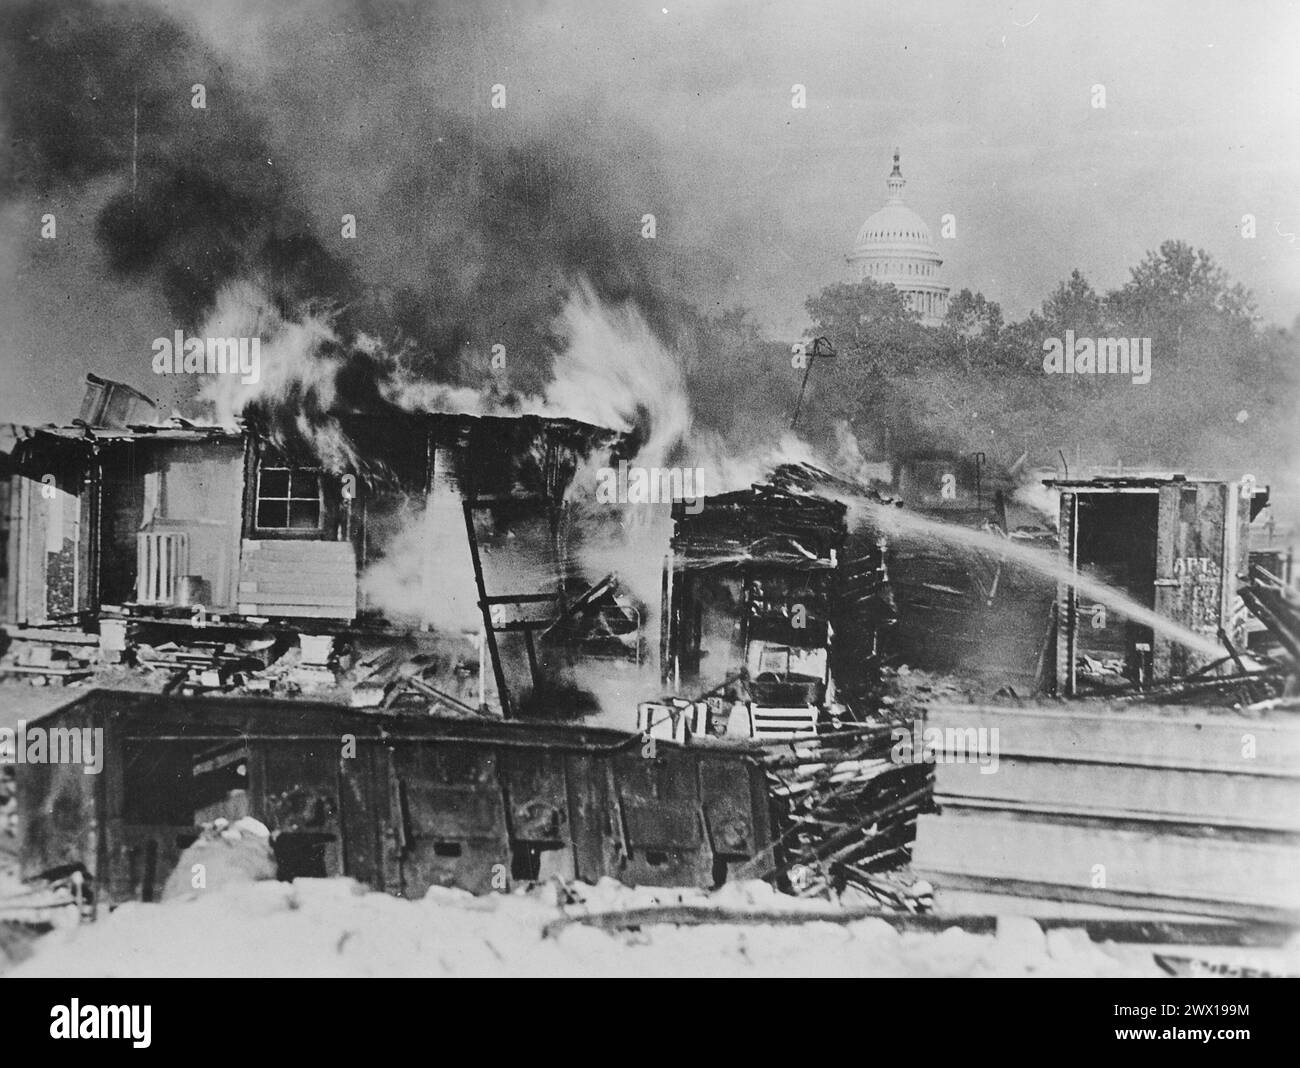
(895, 182)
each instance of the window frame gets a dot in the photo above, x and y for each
(262, 458)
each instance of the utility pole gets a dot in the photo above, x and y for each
(979, 489)
(135, 142)
(820, 347)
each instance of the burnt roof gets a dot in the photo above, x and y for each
(1124, 481)
(784, 521)
(450, 426)
(151, 432)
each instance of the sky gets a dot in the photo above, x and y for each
(687, 106)
(991, 108)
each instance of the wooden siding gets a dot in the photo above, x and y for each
(298, 578)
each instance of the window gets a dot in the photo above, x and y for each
(289, 498)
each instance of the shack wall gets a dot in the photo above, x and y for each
(1200, 538)
(197, 489)
(413, 802)
(50, 554)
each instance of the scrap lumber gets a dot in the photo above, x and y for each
(41, 674)
(1268, 802)
(1168, 932)
(1278, 613)
(848, 811)
(1203, 875)
(1114, 809)
(1200, 738)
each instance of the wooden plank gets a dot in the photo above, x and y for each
(49, 672)
(51, 636)
(1066, 597)
(266, 561)
(251, 582)
(1182, 868)
(341, 586)
(295, 597)
(964, 895)
(1172, 737)
(296, 610)
(1215, 798)
(313, 594)
(255, 567)
(290, 549)
(1166, 586)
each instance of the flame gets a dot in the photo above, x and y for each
(612, 371)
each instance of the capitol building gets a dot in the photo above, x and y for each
(894, 247)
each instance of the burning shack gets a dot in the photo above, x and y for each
(413, 523)
(1175, 545)
(748, 591)
(390, 526)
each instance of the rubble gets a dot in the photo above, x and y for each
(47, 661)
(846, 814)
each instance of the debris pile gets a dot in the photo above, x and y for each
(56, 661)
(1260, 677)
(412, 672)
(1277, 607)
(847, 816)
(199, 667)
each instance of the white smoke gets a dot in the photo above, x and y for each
(849, 459)
(612, 372)
(1044, 500)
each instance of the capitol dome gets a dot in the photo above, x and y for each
(894, 226)
(894, 247)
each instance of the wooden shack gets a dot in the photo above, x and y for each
(1179, 546)
(399, 802)
(238, 527)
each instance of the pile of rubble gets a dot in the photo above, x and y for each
(59, 660)
(375, 672)
(847, 816)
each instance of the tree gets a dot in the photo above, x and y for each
(1224, 394)
(1179, 280)
(1075, 305)
(971, 315)
(880, 345)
